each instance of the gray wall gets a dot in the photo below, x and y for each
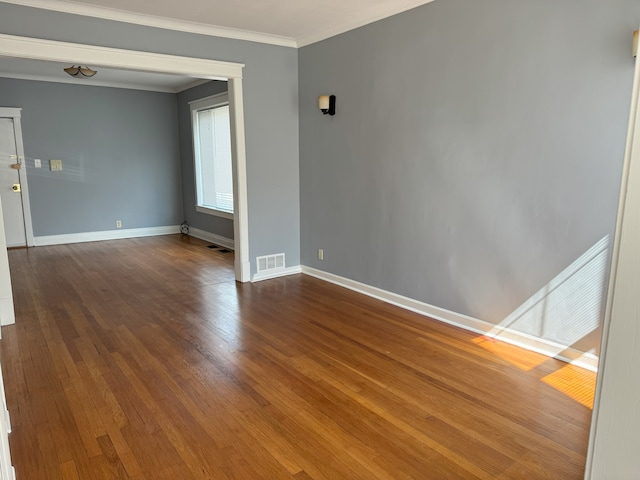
(208, 223)
(270, 84)
(476, 151)
(119, 152)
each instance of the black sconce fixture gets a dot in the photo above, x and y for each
(327, 104)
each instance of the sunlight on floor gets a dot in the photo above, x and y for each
(510, 353)
(575, 382)
(562, 319)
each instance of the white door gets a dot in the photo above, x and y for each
(13, 181)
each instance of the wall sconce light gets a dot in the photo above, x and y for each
(635, 43)
(327, 104)
(80, 71)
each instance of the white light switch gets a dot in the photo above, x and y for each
(55, 165)
(37, 163)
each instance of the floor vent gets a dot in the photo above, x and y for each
(220, 249)
(269, 263)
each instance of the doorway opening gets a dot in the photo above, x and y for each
(197, 68)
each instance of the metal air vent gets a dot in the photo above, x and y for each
(269, 263)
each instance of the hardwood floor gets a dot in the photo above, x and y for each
(143, 359)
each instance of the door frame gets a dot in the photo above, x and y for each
(49, 50)
(15, 115)
(614, 422)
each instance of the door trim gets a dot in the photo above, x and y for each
(614, 422)
(39, 49)
(15, 114)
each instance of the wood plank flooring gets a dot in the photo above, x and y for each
(143, 359)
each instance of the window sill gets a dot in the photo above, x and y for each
(214, 212)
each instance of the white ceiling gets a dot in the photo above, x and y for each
(291, 23)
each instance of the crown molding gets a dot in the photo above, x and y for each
(154, 21)
(195, 83)
(358, 21)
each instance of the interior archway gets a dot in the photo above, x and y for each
(39, 49)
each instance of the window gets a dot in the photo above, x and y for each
(212, 155)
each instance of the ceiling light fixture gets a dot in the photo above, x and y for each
(80, 71)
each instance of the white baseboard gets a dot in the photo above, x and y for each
(104, 235)
(7, 312)
(212, 237)
(282, 272)
(584, 360)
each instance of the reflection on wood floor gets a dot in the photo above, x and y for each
(143, 359)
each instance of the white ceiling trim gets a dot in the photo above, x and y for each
(356, 22)
(365, 17)
(154, 21)
(39, 49)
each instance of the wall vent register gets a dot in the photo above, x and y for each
(270, 263)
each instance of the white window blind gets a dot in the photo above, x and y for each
(212, 150)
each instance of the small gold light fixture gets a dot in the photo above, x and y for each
(80, 71)
(327, 104)
(635, 43)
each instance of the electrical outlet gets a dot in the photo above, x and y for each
(37, 163)
(320, 254)
(118, 223)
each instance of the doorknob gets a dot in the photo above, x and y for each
(16, 187)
